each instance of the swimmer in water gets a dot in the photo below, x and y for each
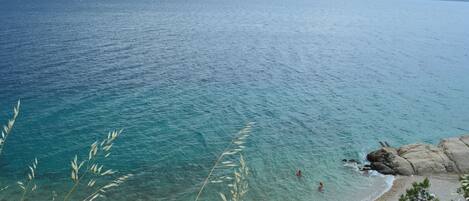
(298, 173)
(321, 187)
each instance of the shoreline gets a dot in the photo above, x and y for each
(442, 164)
(389, 180)
(444, 186)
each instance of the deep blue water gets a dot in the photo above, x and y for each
(323, 80)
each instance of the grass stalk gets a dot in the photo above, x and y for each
(9, 126)
(97, 150)
(93, 167)
(30, 181)
(238, 140)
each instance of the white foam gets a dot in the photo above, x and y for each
(389, 180)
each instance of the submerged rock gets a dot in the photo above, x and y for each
(450, 156)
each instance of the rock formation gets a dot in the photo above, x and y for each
(450, 156)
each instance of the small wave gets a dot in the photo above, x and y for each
(389, 180)
(352, 165)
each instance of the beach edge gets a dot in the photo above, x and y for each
(443, 186)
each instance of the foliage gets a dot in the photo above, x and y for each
(90, 169)
(6, 130)
(228, 160)
(419, 192)
(9, 126)
(464, 189)
(30, 185)
(240, 184)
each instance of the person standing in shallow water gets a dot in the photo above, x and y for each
(321, 187)
(298, 173)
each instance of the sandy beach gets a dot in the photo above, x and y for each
(443, 186)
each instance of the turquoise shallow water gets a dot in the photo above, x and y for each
(323, 80)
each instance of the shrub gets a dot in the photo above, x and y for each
(464, 189)
(419, 192)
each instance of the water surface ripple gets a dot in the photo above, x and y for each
(323, 80)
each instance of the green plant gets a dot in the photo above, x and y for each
(419, 192)
(464, 189)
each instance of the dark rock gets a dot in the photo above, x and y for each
(388, 156)
(381, 155)
(382, 144)
(382, 168)
(365, 168)
(387, 144)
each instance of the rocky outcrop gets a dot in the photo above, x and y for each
(458, 152)
(450, 156)
(426, 159)
(387, 161)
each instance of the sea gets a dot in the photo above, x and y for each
(319, 81)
